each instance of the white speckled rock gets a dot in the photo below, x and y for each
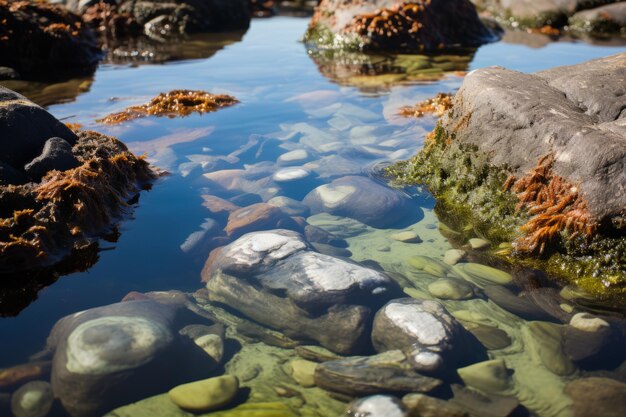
(424, 328)
(377, 406)
(588, 323)
(33, 399)
(280, 274)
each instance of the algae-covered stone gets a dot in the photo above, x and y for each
(451, 289)
(303, 372)
(205, 395)
(484, 275)
(490, 376)
(429, 265)
(478, 243)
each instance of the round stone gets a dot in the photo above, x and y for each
(114, 343)
(303, 372)
(483, 274)
(407, 237)
(205, 395)
(291, 174)
(297, 155)
(33, 399)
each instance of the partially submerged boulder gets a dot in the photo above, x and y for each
(59, 190)
(42, 40)
(538, 159)
(395, 25)
(276, 279)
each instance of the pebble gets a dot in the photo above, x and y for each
(479, 244)
(205, 395)
(454, 256)
(303, 372)
(407, 237)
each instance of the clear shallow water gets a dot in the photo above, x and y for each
(285, 99)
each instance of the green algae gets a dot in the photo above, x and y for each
(471, 201)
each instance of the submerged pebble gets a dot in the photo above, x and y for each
(33, 399)
(205, 395)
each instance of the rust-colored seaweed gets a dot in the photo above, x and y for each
(176, 103)
(70, 206)
(437, 105)
(556, 206)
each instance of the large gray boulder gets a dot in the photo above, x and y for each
(276, 279)
(575, 113)
(386, 25)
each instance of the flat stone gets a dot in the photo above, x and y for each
(544, 342)
(291, 174)
(484, 275)
(407, 237)
(295, 156)
(490, 376)
(205, 395)
(56, 155)
(303, 372)
(33, 399)
(454, 256)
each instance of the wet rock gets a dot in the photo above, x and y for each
(479, 244)
(261, 216)
(490, 376)
(205, 395)
(435, 340)
(364, 200)
(383, 373)
(394, 25)
(454, 256)
(318, 235)
(56, 154)
(544, 342)
(407, 237)
(21, 118)
(588, 323)
(303, 372)
(424, 406)
(18, 375)
(209, 338)
(10, 175)
(117, 350)
(7, 73)
(203, 240)
(377, 405)
(33, 399)
(603, 20)
(276, 279)
(491, 337)
(487, 405)
(429, 265)
(43, 40)
(294, 157)
(515, 304)
(331, 250)
(290, 206)
(451, 289)
(597, 396)
(316, 354)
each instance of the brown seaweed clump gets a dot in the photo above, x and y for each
(437, 105)
(42, 222)
(556, 206)
(176, 103)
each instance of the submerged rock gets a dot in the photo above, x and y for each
(386, 372)
(44, 41)
(507, 157)
(205, 395)
(490, 376)
(597, 396)
(363, 199)
(433, 339)
(119, 351)
(34, 399)
(388, 25)
(377, 405)
(276, 279)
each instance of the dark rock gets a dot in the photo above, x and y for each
(603, 20)
(377, 405)
(396, 25)
(597, 397)
(363, 199)
(43, 40)
(56, 155)
(512, 303)
(388, 372)
(564, 111)
(9, 175)
(433, 339)
(7, 73)
(34, 399)
(316, 234)
(424, 406)
(484, 405)
(121, 351)
(275, 278)
(25, 128)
